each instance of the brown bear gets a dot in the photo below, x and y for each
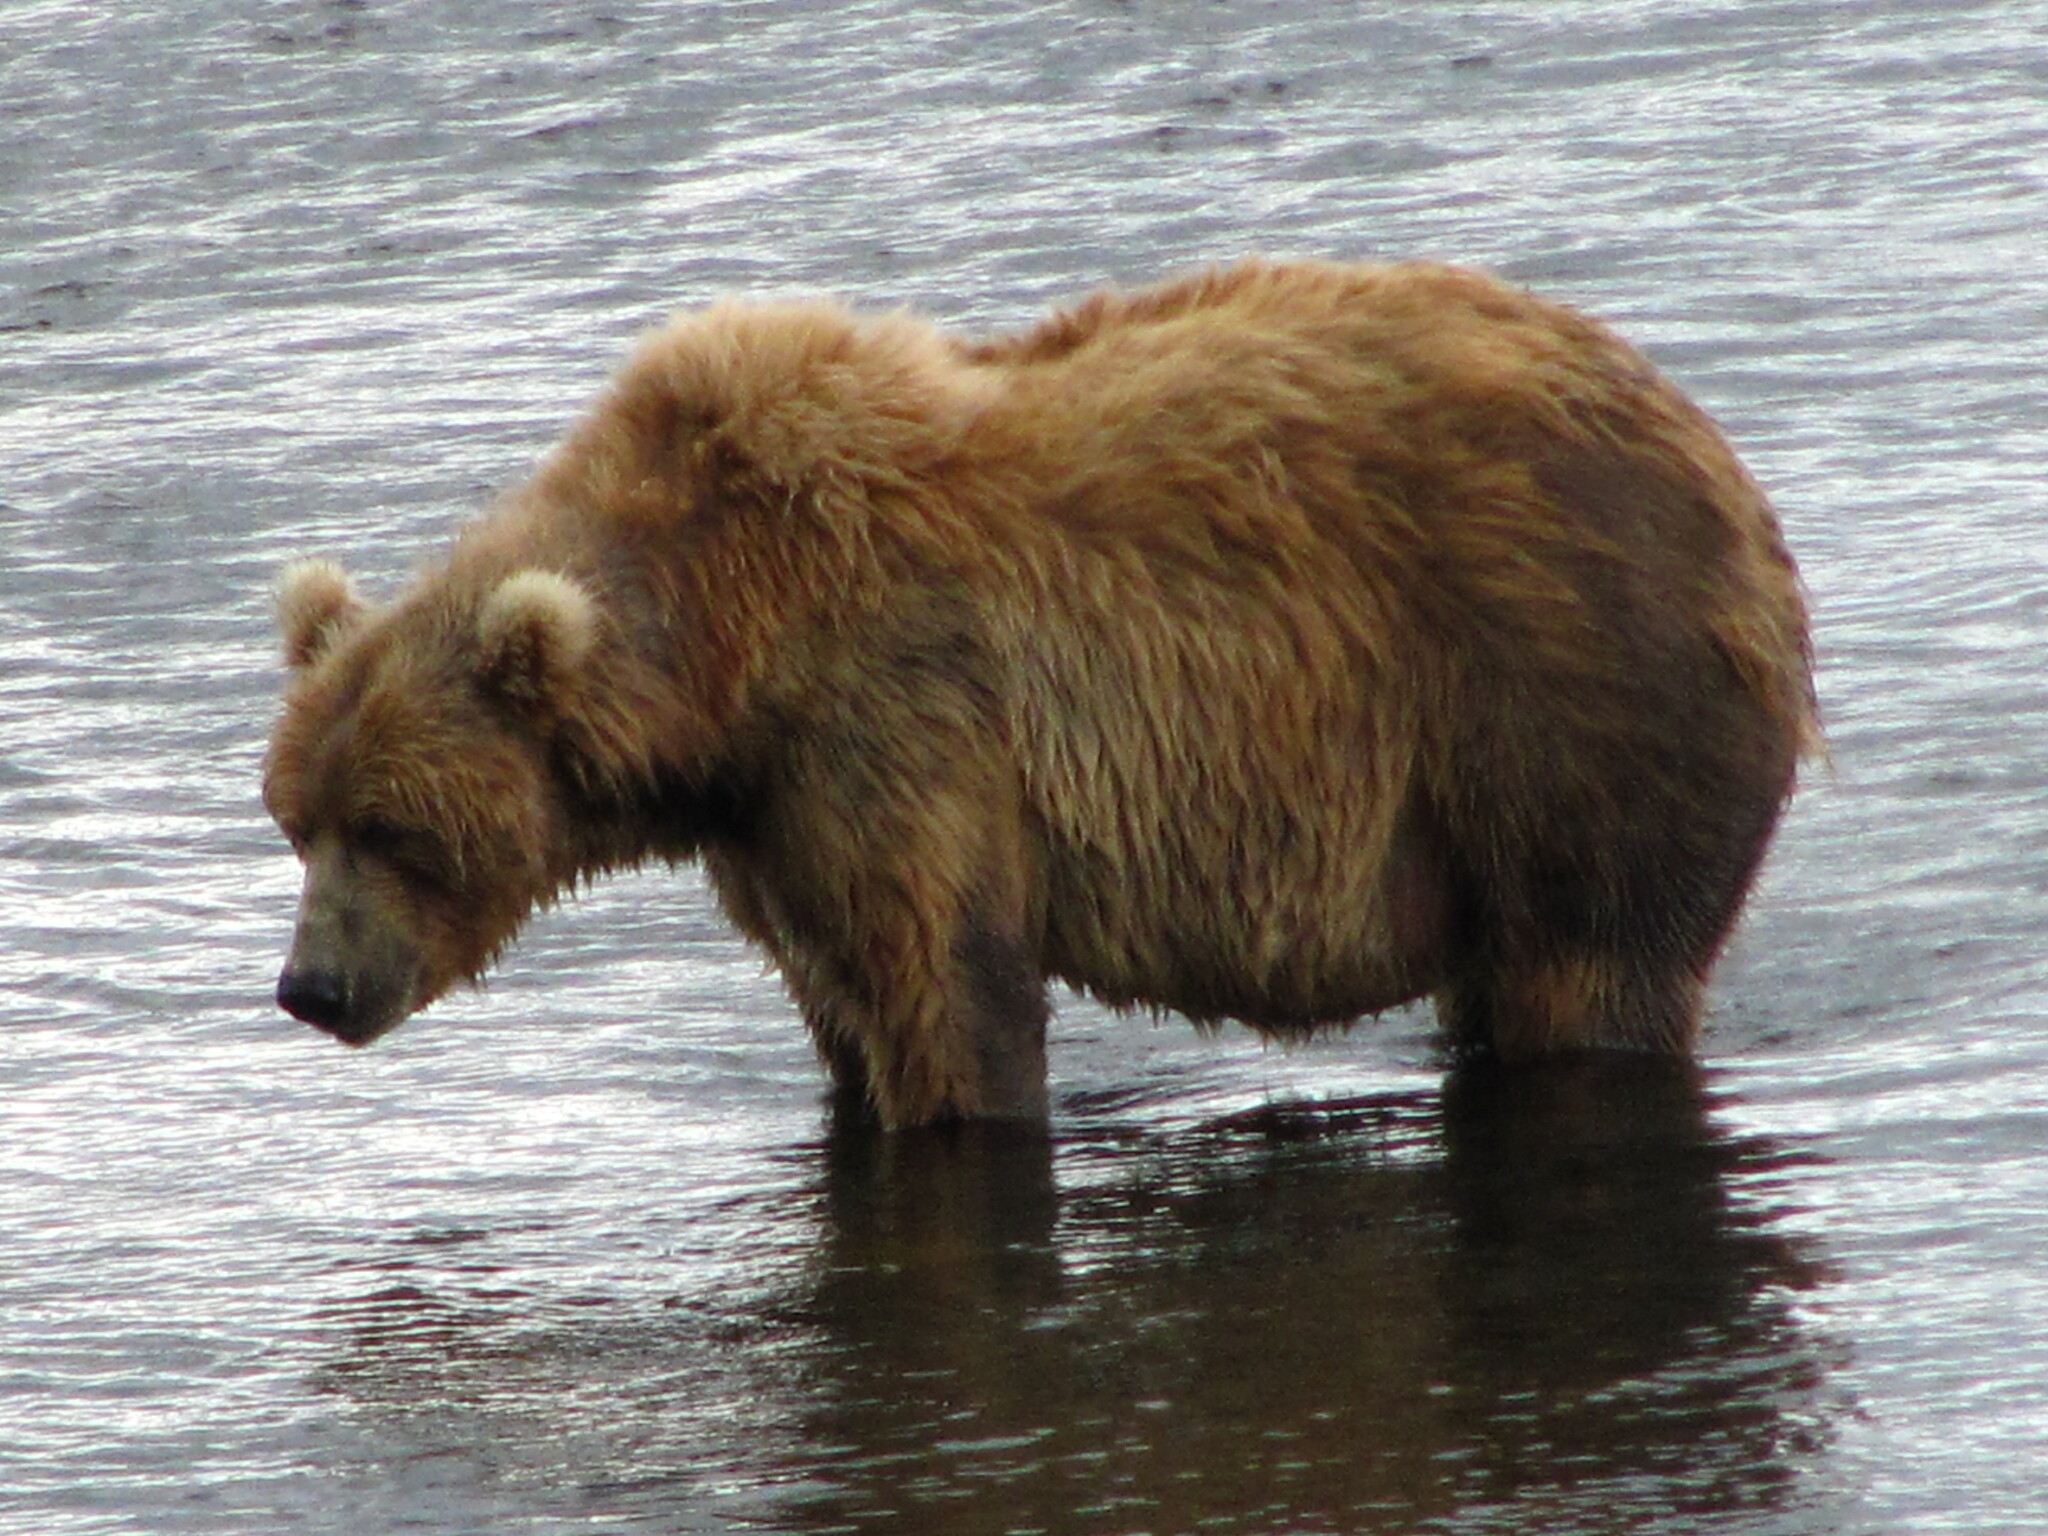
(1279, 644)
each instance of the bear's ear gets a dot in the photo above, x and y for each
(316, 605)
(534, 632)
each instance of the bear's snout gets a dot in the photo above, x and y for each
(354, 969)
(320, 998)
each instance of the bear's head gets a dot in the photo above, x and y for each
(410, 769)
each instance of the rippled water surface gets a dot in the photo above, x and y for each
(579, 1254)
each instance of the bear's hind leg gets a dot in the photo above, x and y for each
(1519, 1011)
(1595, 925)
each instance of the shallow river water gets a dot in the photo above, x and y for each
(578, 1254)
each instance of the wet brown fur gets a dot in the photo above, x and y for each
(1279, 644)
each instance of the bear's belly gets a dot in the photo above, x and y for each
(1283, 939)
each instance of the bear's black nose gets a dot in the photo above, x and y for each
(318, 997)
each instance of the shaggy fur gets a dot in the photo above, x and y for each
(1280, 644)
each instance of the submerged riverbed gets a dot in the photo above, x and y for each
(580, 1253)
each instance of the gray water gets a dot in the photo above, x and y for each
(579, 1254)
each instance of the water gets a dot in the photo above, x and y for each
(579, 1254)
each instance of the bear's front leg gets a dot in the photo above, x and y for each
(904, 938)
(1002, 1002)
(923, 1018)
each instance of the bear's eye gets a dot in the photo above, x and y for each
(396, 843)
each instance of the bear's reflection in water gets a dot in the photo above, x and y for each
(1519, 1297)
(1542, 1301)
